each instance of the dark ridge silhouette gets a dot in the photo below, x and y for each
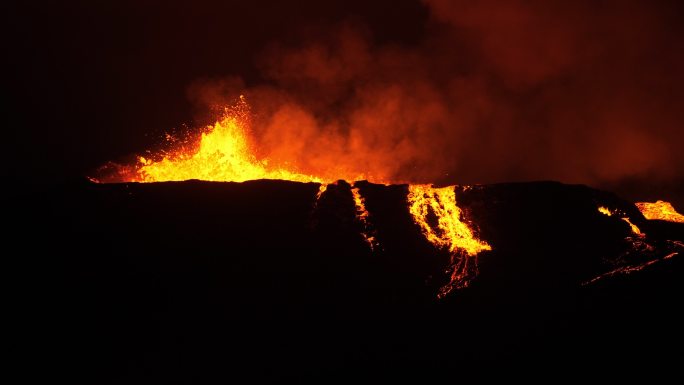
(258, 282)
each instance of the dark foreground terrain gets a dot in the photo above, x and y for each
(256, 282)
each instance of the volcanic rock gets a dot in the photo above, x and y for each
(258, 282)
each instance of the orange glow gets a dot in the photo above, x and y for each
(321, 190)
(605, 211)
(362, 216)
(449, 231)
(223, 153)
(632, 226)
(660, 210)
(635, 230)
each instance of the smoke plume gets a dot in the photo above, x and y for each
(580, 91)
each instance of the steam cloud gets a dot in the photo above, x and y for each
(579, 91)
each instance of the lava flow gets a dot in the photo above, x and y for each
(362, 215)
(660, 210)
(446, 230)
(635, 230)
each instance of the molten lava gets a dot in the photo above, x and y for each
(604, 210)
(635, 230)
(629, 269)
(362, 216)
(223, 154)
(442, 223)
(321, 191)
(660, 210)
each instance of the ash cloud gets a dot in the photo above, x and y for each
(582, 92)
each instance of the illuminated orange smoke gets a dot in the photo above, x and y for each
(660, 210)
(449, 232)
(635, 230)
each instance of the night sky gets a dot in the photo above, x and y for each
(438, 91)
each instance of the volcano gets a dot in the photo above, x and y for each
(276, 281)
(344, 191)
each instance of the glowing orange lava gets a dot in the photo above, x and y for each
(660, 210)
(635, 230)
(449, 232)
(321, 190)
(362, 216)
(223, 153)
(604, 210)
(629, 269)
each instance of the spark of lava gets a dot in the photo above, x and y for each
(449, 231)
(660, 210)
